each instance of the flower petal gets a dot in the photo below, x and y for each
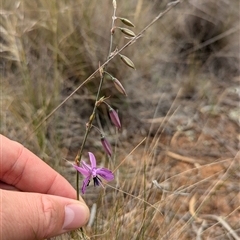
(86, 166)
(83, 171)
(85, 183)
(92, 160)
(105, 173)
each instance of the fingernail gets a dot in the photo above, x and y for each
(76, 215)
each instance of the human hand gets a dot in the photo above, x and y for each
(41, 204)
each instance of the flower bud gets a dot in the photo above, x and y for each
(114, 117)
(119, 86)
(127, 22)
(127, 32)
(106, 145)
(127, 61)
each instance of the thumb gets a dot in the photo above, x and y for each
(38, 216)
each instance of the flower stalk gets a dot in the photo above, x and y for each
(80, 152)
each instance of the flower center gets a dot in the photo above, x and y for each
(94, 172)
(97, 181)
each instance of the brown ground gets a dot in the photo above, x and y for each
(192, 151)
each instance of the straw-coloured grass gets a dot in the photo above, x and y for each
(177, 151)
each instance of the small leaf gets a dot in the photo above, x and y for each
(127, 61)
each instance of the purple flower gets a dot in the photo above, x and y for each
(93, 172)
(114, 117)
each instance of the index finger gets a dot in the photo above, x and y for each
(22, 169)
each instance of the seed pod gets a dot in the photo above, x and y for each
(119, 86)
(127, 61)
(127, 22)
(128, 32)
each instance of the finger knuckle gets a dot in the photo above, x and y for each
(48, 217)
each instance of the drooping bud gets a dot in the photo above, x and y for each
(114, 117)
(119, 86)
(127, 22)
(127, 32)
(106, 146)
(127, 61)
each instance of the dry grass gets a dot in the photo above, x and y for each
(182, 181)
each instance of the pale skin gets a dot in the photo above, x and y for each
(36, 202)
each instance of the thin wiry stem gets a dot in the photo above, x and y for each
(112, 29)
